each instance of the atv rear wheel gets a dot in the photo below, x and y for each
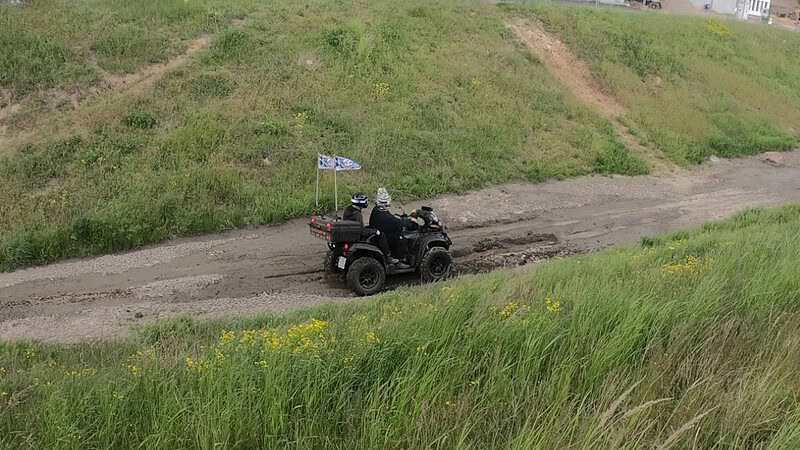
(366, 276)
(435, 265)
(331, 269)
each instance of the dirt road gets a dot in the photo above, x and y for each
(279, 268)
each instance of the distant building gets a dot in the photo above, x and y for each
(742, 9)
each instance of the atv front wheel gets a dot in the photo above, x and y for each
(435, 265)
(366, 276)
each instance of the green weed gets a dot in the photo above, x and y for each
(141, 119)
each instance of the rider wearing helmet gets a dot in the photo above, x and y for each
(383, 220)
(358, 202)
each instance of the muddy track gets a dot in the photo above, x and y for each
(278, 268)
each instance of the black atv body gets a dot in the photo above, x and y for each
(353, 254)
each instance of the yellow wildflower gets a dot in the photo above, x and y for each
(262, 364)
(148, 353)
(30, 353)
(227, 337)
(372, 337)
(717, 28)
(196, 365)
(134, 370)
(2, 370)
(3, 394)
(509, 309)
(474, 382)
(449, 404)
(300, 121)
(691, 266)
(248, 337)
(552, 306)
(476, 82)
(82, 373)
(382, 88)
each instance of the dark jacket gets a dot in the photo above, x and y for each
(353, 213)
(383, 220)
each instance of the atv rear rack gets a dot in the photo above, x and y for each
(335, 230)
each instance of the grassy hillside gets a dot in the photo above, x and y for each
(694, 87)
(66, 44)
(688, 341)
(430, 98)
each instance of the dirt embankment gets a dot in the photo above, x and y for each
(575, 75)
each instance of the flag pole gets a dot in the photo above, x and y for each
(317, 180)
(335, 187)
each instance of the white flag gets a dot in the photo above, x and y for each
(346, 164)
(324, 162)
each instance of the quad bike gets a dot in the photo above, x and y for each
(353, 255)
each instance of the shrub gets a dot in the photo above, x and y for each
(143, 120)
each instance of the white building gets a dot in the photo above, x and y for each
(742, 9)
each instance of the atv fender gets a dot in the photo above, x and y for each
(427, 242)
(360, 249)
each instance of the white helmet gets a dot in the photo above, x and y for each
(383, 198)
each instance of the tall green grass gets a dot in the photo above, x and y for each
(687, 341)
(428, 98)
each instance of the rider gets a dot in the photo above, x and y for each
(383, 220)
(358, 202)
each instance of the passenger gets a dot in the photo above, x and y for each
(353, 213)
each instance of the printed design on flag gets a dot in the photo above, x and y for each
(324, 162)
(346, 164)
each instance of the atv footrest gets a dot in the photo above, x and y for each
(394, 270)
